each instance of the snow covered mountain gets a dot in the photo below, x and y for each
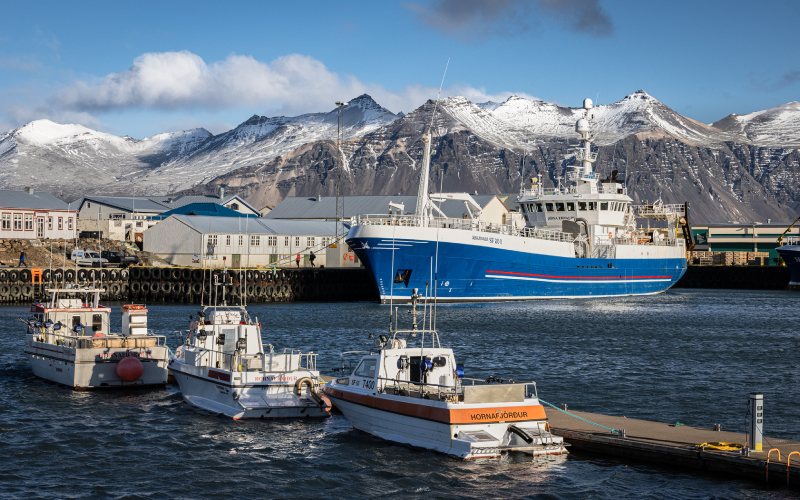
(779, 126)
(739, 167)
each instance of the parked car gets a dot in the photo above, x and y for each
(120, 258)
(88, 258)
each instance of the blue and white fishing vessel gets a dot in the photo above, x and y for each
(578, 239)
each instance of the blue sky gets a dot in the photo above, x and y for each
(140, 68)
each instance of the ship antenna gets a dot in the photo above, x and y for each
(423, 200)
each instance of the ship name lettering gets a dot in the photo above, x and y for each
(498, 415)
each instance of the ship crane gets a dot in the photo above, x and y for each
(791, 226)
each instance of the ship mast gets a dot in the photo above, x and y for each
(423, 199)
(585, 155)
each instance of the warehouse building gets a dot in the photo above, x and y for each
(740, 244)
(125, 218)
(215, 242)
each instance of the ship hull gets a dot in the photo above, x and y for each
(791, 256)
(482, 266)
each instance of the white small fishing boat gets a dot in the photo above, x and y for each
(411, 391)
(68, 342)
(224, 368)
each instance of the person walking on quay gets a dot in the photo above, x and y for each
(297, 259)
(311, 258)
(22, 262)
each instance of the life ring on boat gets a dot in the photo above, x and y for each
(298, 386)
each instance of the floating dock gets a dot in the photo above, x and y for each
(677, 446)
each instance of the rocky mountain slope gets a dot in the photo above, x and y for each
(741, 168)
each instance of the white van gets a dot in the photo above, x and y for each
(88, 258)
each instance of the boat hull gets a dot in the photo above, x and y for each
(207, 389)
(89, 368)
(476, 266)
(791, 256)
(418, 425)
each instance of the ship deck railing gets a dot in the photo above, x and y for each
(112, 341)
(791, 240)
(660, 211)
(464, 224)
(287, 361)
(464, 390)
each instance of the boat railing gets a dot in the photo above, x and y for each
(284, 362)
(459, 390)
(791, 240)
(104, 342)
(660, 210)
(464, 224)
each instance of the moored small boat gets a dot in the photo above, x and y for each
(224, 368)
(411, 391)
(68, 342)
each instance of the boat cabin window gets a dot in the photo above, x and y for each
(76, 320)
(560, 207)
(97, 322)
(581, 205)
(592, 205)
(604, 205)
(570, 207)
(539, 207)
(366, 368)
(549, 207)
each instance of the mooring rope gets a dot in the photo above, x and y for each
(567, 412)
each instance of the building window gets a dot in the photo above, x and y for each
(60, 223)
(138, 224)
(17, 222)
(297, 241)
(241, 240)
(228, 240)
(6, 222)
(29, 222)
(234, 206)
(310, 241)
(272, 241)
(212, 239)
(286, 241)
(255, 240)
(69, 223)
(604, 205)
(88, 204)
(50, 223)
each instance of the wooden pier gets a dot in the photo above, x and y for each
(678, 446)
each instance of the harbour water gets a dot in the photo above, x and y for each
(689, 356)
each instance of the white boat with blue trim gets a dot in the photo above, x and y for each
(579, 239)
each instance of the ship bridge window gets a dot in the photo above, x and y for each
(539, 207)
(604, 205)
(366, 368)
(570, 207)
(549, 207)
(581, 205)
(559, 207)
(97, 322)
(592, 205)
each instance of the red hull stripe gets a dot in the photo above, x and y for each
(552, 276)
(449, 416)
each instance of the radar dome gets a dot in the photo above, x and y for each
(587, 103)
(582, 126)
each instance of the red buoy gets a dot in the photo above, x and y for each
(129, 369)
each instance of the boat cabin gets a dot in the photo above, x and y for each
(76, 310)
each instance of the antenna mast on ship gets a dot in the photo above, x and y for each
(585, 155)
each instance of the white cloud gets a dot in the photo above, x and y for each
(291, 84)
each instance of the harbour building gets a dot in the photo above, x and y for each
(216, 242)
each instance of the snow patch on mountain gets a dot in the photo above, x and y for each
(776, 127)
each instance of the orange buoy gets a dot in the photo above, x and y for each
(129, 369)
